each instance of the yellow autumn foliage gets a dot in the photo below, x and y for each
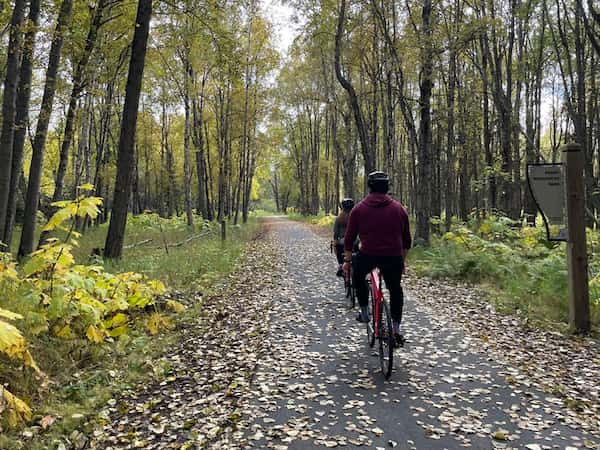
(13, 407)
(51, 294)
(157, 322)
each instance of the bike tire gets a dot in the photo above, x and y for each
(370, 325)
(386, 341)
(350, 292)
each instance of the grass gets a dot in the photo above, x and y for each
(84, 375)
(192, 265)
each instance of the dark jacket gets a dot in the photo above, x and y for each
(381, 223)
(339, 227)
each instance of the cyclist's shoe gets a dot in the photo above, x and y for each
(339, 273)
(363, 315)
(398, 340)
(361, 319)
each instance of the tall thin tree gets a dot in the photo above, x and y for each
(37, 158)
(21, 115)
(113, 247)
(11, 79)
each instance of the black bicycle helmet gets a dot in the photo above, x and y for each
(347, 204)
(378, 179)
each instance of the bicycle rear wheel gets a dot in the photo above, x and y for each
(350, 292)
(371, 322)
(386, 341)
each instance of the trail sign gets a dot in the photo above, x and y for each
(547, 186)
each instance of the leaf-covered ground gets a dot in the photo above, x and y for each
(278, 361)
(195, 402)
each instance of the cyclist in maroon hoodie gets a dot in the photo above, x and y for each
(382, 225)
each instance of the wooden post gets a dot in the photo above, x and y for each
(579, 305)
(223, 231)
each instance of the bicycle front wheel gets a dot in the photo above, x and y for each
(386, 341)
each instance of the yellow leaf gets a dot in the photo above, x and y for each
(88, 207)
(12, 342)
(34, 265)
(9, 315)
(7, 270)
(86, 187)
(65, 332)
(29, 361)
(176, 306)
(95, 334)
(118, 331)
(500, 435)
(156, 322)
(17, 409)
(116, 320)
(58, 218)
(92, 302)
(61, 203)
(158, 287)
(66, 259)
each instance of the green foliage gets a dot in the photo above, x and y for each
(51, 295)
(527, 272)
(153, 221)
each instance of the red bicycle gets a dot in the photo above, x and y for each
(379, 325)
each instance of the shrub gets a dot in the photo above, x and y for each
(528, 271)
(50, 294)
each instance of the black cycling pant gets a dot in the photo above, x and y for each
(391, 269)
(339, 253)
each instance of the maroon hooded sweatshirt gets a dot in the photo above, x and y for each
(382, 225)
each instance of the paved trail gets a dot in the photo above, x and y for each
(318, 384)
(278, 362)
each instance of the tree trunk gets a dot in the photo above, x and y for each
(39, 142)
(113, 247)
(425, 135)
(198, 111)
(187, 170)
(22, 116)
(209, 177)
(78, 86)
(450, 164)
(487, 135)
(368, 153)
(8, 112)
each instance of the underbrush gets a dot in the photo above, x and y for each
(75, 331)
(525, 272)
